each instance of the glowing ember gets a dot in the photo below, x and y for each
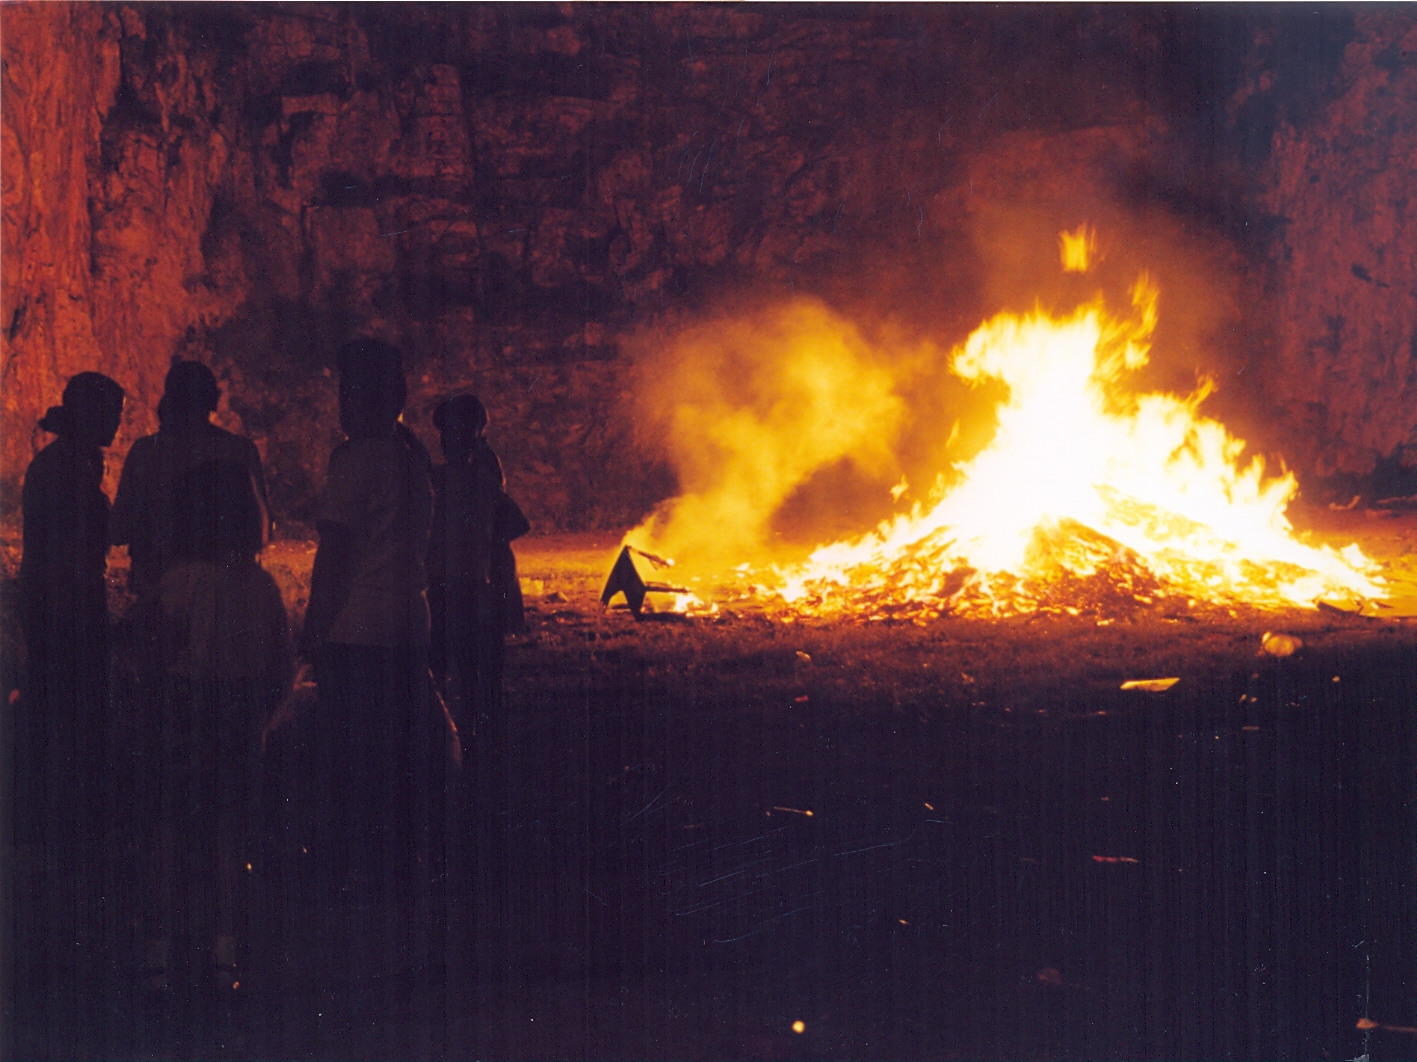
(1087, 497)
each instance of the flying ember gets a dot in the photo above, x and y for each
(1088, 498)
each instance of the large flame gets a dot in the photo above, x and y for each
(1088, 497)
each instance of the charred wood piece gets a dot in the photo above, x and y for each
(625, 579)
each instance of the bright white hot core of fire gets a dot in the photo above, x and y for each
(1142, 470)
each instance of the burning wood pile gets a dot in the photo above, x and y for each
(1089, 499)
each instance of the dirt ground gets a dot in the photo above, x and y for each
(570, 632)
(741, 837)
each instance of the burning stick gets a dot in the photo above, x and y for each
(1368, 1023)
(1150, 685)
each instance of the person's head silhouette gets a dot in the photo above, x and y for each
(218, 516)
(91, 411)
(372, 391)
(461, 420)
(190, 395)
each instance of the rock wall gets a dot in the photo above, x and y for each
(508, 192)
(56, 89)
(1344, 304)
(112, 158)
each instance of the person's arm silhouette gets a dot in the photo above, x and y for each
(330, 581)
(342, 509)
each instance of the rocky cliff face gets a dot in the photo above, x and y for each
(510, 191)
(113, 154)
(56, 90)
(1344, 191)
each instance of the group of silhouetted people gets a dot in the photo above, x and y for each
(413, 590)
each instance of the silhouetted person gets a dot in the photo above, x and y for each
(60, 723)
(379, 742)
(226, 661)
(143, 512)
(473, 596)
(64, 613)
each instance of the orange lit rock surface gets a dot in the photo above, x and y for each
(1345, 307)
(60, 75)
(510, 191)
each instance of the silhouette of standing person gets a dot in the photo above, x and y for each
(61, 720)
(226, 661)
(379, 748)
(64, 612)
(144, 512)
(473, 596)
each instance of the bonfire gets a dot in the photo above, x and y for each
(1090, 498)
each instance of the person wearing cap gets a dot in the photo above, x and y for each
(64, 610)
(61, 767)
(145, 511)
(63, 606)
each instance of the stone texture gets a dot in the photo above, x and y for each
(1345, 298)
(511, 191)
(60, 77)
(111, 161)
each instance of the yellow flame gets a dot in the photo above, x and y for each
(752, 408)
(1077, 248)
(1081, 479)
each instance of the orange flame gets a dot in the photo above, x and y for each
(1082, 482)
(1088, 497)
(1078, 248)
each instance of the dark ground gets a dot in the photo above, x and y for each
(1006, 857)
